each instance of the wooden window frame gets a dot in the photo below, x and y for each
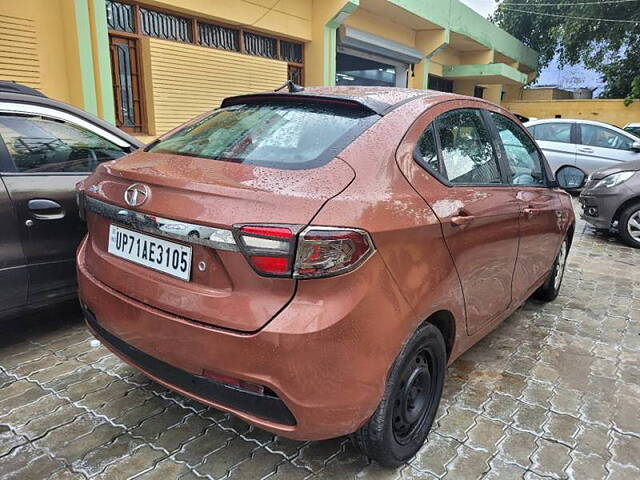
(137, 34)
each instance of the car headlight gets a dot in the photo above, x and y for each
(614, 180)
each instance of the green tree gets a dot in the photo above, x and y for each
(604, 35)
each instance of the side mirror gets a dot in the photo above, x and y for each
(570, 178)
(635, 146)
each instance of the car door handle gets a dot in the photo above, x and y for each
(462, 220)
(530, 211)
(585, 150)
(45, 209)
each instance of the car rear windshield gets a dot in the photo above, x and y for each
(284, 134)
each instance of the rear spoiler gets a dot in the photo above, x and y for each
(365, 104)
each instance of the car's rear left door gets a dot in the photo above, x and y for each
(462, 180)
(49, 155)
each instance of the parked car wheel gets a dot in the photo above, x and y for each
(629, 225)
(550, 289)
(402, 421)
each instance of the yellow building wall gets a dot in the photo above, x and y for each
(182, 81)
(368, 22)
(609, 111)
(545, 94)
(289, 18)
(36, 48)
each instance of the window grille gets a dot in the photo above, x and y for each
(290, 51)
(120, 16)
(260, 45)
(166, 26)
(217, 36)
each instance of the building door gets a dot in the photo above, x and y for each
(125, 72)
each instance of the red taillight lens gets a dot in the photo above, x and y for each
(321, 251)
(325, 252)
(269, 249)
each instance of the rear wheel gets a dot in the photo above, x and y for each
(400, 424)
(629, 225)
(550, 289)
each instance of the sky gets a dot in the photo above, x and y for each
(568, 77)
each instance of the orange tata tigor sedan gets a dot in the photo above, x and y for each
(312, 260)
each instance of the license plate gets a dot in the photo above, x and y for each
(168, 257)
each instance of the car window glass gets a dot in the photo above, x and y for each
(553, 132)
(38, 144)
(596, 136)
(426, 152)
(525, 163)
(467, 152)
(278, 134)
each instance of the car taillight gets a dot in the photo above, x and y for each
(269, 249)
(319, 252)
(328, 251)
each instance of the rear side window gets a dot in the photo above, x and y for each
(285, 135)
(553, 132)
(39, 144)
(467, 151)
(426, 152)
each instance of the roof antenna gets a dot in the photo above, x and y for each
(292, 87)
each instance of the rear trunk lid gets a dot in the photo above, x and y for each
(223, 290)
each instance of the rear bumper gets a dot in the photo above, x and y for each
(326, 360)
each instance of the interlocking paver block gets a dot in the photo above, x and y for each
(517, 447)
(218, 465)
(261, 464)
(39, 426)
(97, 459)
(435, 454)
(550, 459)
(468, 464)
(141, 460)
(587, 467)
(194, 451)
(9, 440)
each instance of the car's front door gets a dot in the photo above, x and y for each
(48, 157)
(541, 225)
(601, 147)
(478, 211)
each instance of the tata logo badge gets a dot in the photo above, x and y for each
(136, 194)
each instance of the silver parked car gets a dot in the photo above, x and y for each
(610, 200)
(576, 148)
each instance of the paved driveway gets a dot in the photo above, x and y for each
(552, 393)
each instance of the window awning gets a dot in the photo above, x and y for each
(369, 43)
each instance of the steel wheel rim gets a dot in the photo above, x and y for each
(559, 272)
(413, 402)
(633, 225)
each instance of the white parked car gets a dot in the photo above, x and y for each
(576, 148)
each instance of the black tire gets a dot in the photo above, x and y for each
(413, 391)
(550, 288)
(629, 213)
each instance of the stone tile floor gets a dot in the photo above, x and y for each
(552, 393)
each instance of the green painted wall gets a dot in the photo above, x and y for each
(102, 59)
(85, 56)
(459, 18)
(494, 69)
